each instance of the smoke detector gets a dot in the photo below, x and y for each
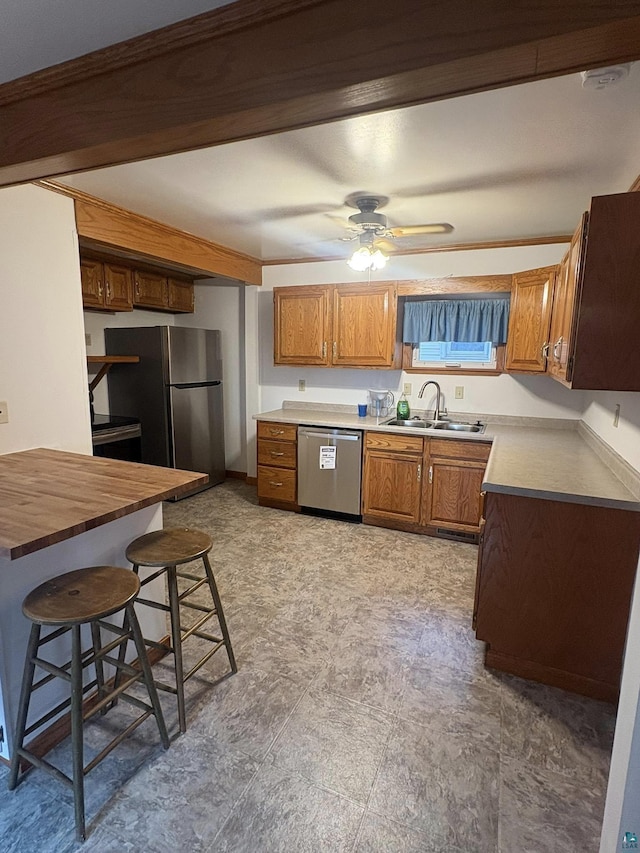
(604, 78)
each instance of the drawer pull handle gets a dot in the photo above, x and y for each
(419, 473)
(276, 431)
(274, 453)
(274, 483)
(544, 352)
(324, 349)
(431, 473)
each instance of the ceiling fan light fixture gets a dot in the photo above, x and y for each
(366, 258)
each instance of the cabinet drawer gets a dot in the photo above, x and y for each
(390, 441)
(276, 483)
(280, 453)
(280, 432)
(459, 449)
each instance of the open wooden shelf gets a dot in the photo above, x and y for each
(106, 361)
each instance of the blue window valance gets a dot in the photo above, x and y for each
(456, 320)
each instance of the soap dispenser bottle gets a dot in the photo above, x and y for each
(402, 409)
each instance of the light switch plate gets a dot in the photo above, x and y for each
(459, 392)
(87, 340)
(4, 413)
(407, 388)
(302, 385)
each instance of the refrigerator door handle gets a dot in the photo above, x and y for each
(183, 385)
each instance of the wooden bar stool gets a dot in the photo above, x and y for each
(85, 596)
(170, 548)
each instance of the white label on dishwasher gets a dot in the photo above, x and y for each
(327, 456)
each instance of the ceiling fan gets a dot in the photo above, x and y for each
(374, 234)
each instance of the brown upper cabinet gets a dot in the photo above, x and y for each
(344, 325)
(106, 286)
(596, 310)
(529, 321)
(162, 293)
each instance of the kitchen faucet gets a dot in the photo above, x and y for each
(436, 411)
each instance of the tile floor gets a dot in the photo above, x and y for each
(361, 719)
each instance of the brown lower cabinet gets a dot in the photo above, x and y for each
(553, 591)
(424, 485)
(277, 465)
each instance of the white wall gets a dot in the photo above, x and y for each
(599, 415)
(43, 372)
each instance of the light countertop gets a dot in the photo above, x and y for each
(530, 460)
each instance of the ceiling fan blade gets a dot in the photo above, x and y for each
(430, 228)
(385, 245)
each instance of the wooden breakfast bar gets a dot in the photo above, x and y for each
(61, 511)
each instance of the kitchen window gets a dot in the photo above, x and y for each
(471, 355)
(443, 335)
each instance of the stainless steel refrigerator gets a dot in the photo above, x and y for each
(176, 392)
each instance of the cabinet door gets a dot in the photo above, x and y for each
(391, 486)
(92, 278)
(150, 290)
(364, 325)
(565, 306)
(301, 331)
(529, 321)
(453, 494)
(180, 295)
(118, 287)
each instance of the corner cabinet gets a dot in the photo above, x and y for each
(529, 321)
(336, 326)
(596, 309)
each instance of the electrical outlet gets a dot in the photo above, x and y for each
(87, 340)
(407, 388)
(302, 385)
(459, 392)
(616, 415)
(4, 413)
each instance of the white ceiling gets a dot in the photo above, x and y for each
(512, 163)
(39, 33)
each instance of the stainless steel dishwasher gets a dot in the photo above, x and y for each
(329, 469)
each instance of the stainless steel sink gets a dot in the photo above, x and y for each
(459, 427)
(413, 423)
(453, 426)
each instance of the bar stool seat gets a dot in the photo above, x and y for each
(66, 603)
(168, 549)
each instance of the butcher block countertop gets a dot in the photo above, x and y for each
(47, 496)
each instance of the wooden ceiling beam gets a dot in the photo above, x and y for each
(261, 66)
(105, 226)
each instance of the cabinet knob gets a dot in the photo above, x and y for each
(544, 351)
(324, 349)
(556, 347)
(431, 473)
(419, 473)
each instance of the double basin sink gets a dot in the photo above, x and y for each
(450, 426)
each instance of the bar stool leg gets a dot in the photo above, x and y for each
(218, 605)
(138, 639)
(77, 746)
(176, 642)
(25, 698)
(97, 645)
(122, 649)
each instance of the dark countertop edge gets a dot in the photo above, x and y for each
(43, 542)
(560, 497)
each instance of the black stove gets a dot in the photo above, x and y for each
(116, 436)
